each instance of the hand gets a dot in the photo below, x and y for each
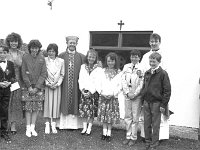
(30, 90)
(53, 87)
(2, 85)
(86, 93)
(108, 96)
(131, 95)
(7, 84)
(35, 90)
(162, 110)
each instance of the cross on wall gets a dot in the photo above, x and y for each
(120, 24)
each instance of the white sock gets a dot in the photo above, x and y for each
(84, 127)
(89, 128)
(28, 130)
(34, 133)
(47, 128)
(105, 132)
(109, 132)
(53, 127)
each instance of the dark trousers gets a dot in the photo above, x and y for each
(152, 118)
(4, 103)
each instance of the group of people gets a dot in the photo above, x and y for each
(72, 89)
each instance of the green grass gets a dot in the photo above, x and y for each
(73, 140)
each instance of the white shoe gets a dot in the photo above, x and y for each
(53, 127)
(34, 133)
(28, 131)
(89, 129)
(47, 128)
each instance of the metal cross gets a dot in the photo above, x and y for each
(121, 24)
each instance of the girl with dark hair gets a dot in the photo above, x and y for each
(14, 43)
(108, 88)
(55, 75)
(34, 74)
(87, 85)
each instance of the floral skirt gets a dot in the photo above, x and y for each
(33, 106)
(108, 110)
(87, 107)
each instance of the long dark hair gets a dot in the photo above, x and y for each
(14, 37)
(113, 56)
(34, 43)
(54, 47)
(91, 51)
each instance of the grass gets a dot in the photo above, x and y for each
(73, 140)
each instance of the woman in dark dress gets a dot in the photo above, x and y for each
(14, 43)
(34, 73)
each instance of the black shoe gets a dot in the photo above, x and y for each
(13, 132)
(147, 145)
(154, 145)
(108, 138)
(131, 142)
(6, 138)
(125, 142)
(87, 134)
(103, 137)
(142, 139)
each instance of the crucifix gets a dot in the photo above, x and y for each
(121, 24)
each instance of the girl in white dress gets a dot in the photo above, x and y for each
(108, 88)
(87, 85)
(55, 70)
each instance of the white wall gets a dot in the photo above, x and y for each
(175, 21)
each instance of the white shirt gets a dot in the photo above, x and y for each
(132, 78)
(145, 60)
(3, 65)
(88, 81)
(109, 87)
(55, 70)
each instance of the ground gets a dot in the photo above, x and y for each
(73, 140)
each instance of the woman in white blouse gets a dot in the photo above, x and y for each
(87, 85)
(55, 70)
(108, 88)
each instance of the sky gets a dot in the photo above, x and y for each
(34, 18)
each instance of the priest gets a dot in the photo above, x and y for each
(70, 94)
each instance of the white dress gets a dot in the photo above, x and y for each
(56, 71)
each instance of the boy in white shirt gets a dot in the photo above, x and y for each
(7, 76)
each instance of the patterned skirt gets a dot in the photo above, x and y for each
(108, 110)
(33, 106)
(32, 102)
(87, 107)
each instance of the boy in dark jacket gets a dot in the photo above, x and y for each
(156, 93)
(7, 76)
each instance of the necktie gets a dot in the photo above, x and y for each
(133, 67)
(70, 79)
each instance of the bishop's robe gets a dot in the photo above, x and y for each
(70, 95)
